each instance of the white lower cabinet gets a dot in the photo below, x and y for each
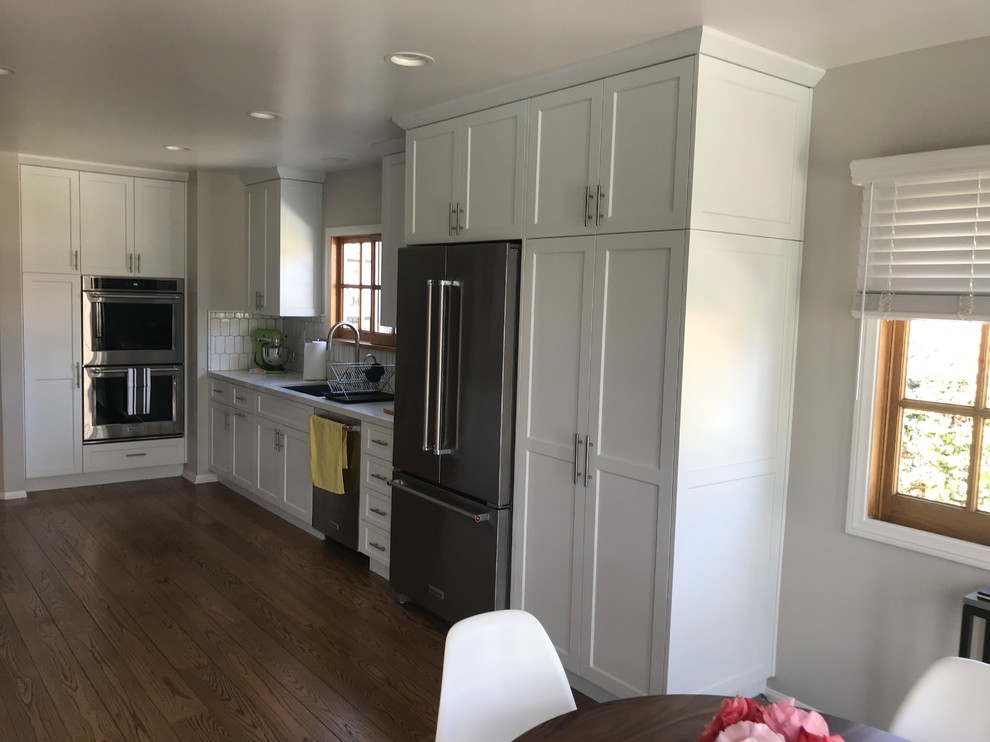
(221, 439)
(53, 427)
(594, 442)
(376, 496)
(253, 447)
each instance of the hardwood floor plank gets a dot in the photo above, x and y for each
(30, 707)
(77, 701)
(152, 669)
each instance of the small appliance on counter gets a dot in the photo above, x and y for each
(270, 351)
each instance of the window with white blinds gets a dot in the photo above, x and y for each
(925, 237)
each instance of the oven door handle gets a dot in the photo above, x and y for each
(146, 392)
(128, 296)
(98, 321)
(131, 392)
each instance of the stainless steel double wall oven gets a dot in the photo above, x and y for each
(133, 352)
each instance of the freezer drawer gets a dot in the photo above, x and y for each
(449, 553)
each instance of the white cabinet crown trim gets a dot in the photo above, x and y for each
(698, 40)
(100, 167)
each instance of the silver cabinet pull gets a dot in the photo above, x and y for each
(460, 221)
(577, 456)
(589, 200)
(75, 260)
(226, 421)
(601, 206)
(130, 262)
(138, 262)
(451, 224)
(376, 511)
(587, 460)
(373, 545)
(218, 391)
(276, 439)
(379, 442)
(379, 477)
(239, 414)
(239, 399)
(78, 375)
(134, 455)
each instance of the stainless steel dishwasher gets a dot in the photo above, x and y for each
(335, 515)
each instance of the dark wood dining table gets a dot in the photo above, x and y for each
(665, 719)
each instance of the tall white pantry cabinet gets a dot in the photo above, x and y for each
(657, 329)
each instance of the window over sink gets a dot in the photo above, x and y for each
(356, 286)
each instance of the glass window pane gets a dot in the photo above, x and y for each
(934, 460)
(378, 264)
(366, 263)
(983, 501)
(366, 309)
(352, 306)
(352, 262)
(943, 361)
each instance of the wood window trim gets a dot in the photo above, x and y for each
(378, 340)
(884, 503)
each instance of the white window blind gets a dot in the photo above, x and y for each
(925, 236)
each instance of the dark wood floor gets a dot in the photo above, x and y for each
(164, 611)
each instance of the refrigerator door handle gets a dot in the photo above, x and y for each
(448, 352)
(476, 517)
(426, 376)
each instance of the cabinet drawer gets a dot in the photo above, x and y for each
(376, 508)
(244, 398)
(114, 456)
(375, 543)
(221, 391)
(377, 441)
(375, 474)
(293, 414)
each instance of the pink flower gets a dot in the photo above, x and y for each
(732, 711)
(791, 722)
(748, 731)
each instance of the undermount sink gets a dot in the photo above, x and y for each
(322, 390)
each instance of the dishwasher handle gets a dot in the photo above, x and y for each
(476, 517)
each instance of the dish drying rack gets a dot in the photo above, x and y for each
(354, 378)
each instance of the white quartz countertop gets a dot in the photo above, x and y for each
(373, 412)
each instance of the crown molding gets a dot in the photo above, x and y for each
(102, 167)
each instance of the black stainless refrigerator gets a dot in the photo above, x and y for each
(454, 411)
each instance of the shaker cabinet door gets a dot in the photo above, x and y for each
(49, 219)
(565, 129)
(159, 228)
(432, 167)
(646, 145)
(221, 439)
(106, 224)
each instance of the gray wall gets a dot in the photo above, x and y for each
(353, 197)
(11, 345)
(859, 620)
(217, 279)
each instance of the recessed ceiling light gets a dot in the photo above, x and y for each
(7, 70)
(265, 115)
(176, 147)
(410, 59)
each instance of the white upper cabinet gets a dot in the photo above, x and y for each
(646, 145)
(750, 152)
(284, 238)
(465, 177)
(564, 145)
(612, 156)
(49, 219)
(393, 235)
(106, 221)
(159, 228)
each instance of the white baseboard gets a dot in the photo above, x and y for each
(195, 478)
(378, 568)
(272, 508)
(776, 695)
(14, 495)
(588, 688)
(102, 477)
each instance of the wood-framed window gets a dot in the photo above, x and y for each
(931, 446)
(356, 287)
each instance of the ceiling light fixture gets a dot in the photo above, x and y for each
(7, 70)
(410, 59)
(264, 115)
(176, 147)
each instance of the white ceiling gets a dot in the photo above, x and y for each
(114, 80)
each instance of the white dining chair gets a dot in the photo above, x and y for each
(949, 702)
(501, 677)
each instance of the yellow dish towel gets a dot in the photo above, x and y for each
(327, 453)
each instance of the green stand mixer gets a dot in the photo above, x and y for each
(270, 351)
